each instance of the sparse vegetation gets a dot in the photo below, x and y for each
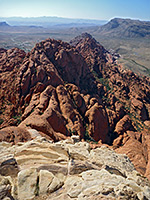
(1, 121)
(72, 132)
(87, 137)
(18, 118)
(103, 81)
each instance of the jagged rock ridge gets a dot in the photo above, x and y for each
(61, 89)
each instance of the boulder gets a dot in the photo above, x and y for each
(48, 183)
(14, 135)
(8, 166)
(116, 161)
(77, 167)
(40, 124)
(74, 186)
(79, 101)
(27, 184)
(79, 151)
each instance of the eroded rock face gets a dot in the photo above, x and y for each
(10, 59)
(123, 125)
(70, 170)
(98, 124)
(39, 87)
(60, 89)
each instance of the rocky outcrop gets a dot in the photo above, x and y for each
(10, 59)
(59, 89)
(91, 50)
(139, 107)
(123, 125)
(68, 170)
(98, 124)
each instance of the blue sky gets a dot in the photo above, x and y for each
(86, 9)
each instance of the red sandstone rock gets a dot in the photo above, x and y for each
(40, 124)
(139, 107)
(69, 112)
(14, 135)
(123, 125)
(79, 101)
(98, 124)
(58, 88)
(135, 151)
(146, 146)
(117, 142)
(10, 59)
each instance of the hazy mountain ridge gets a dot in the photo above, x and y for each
(118, 27)
(4, 24)
(50, 21)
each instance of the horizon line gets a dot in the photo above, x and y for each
(121, 17)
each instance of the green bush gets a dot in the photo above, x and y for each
(1, 121)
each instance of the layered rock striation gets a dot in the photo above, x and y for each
(69, 169)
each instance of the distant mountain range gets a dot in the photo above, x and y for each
(3, 24)
(118, 27)
(51, 21)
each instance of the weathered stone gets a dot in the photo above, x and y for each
(61, 167)
(27, 184)
(68, 170)
(120, 162)
(140, 108)
(43, 155)
(5, 190)
(79, 151)
(74, 186)
(45, 179)
(8, 166)
(55, 185)
(77, 167)
(69, 112)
